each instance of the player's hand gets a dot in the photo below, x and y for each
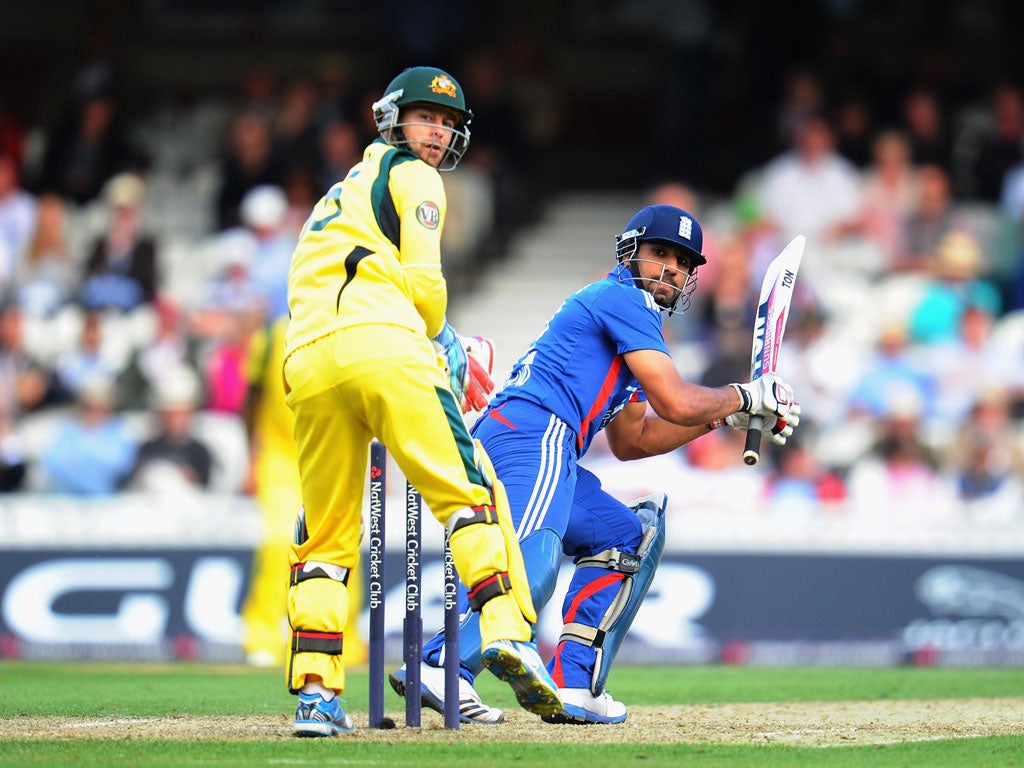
(468, 362)
(766, 395)
(479, 384)
(774, 428)
(452, 357)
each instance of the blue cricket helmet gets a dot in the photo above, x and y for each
(667, 224)
(663, 224)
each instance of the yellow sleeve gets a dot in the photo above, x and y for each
(419, 194)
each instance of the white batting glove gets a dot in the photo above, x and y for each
(766, 395)
(774, 428)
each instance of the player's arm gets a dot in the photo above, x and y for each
(635, 433)
(691, 405)
(686, 411)
(419, 194)
(675, 400)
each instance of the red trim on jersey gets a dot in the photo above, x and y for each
(601, 401)
(498, 417)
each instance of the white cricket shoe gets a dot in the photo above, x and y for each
(581, 707)
(471, 707)
(519, 664)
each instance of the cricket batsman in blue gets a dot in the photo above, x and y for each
(601, 363)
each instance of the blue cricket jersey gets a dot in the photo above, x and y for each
(579, 375)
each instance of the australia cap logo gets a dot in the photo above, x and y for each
(443, 84)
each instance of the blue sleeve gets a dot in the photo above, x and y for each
(630, 318)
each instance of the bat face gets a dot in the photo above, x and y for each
(770, 324)
(773, 308)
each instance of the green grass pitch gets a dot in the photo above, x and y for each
(52, 715)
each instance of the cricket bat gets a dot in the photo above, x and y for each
(769, 326)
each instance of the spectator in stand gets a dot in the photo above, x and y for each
(955, 284)
(800, 486)
(17, 219)
(966, 367)
(890, 192)
(1000, 148)
(121, 270)
(88, 361)
(251, 160)
(173, 459)
(340, 148)
(811, 189)
(90, 145)
(925, 125)
(224, 367)
(25, 383)
(854, 121)
(728, 303)
(898, 477)
(296, 133)
(301, 192)
(819, 358)
(172, 347)
(264, 213)
(258, 90)
(985, 462)
(893, 368)
(92, 451)
(45, 279)
(802, 100)
(232, 309)
(930, 220)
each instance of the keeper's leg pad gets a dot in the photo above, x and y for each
(318, 607)
(478, 551)
(639, 572)
(542, 551)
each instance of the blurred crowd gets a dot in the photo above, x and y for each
(137, 261)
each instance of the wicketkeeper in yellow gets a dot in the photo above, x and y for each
(370, 354)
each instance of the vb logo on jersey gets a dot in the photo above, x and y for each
(428, 215)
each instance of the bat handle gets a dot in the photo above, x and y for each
(752, 448)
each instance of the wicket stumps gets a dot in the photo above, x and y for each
(412, 626)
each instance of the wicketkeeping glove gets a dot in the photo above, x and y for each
(468, 361)
(774, 428)
(452, 356)
(767, 395)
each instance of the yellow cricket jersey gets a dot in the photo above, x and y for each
(370, 251)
